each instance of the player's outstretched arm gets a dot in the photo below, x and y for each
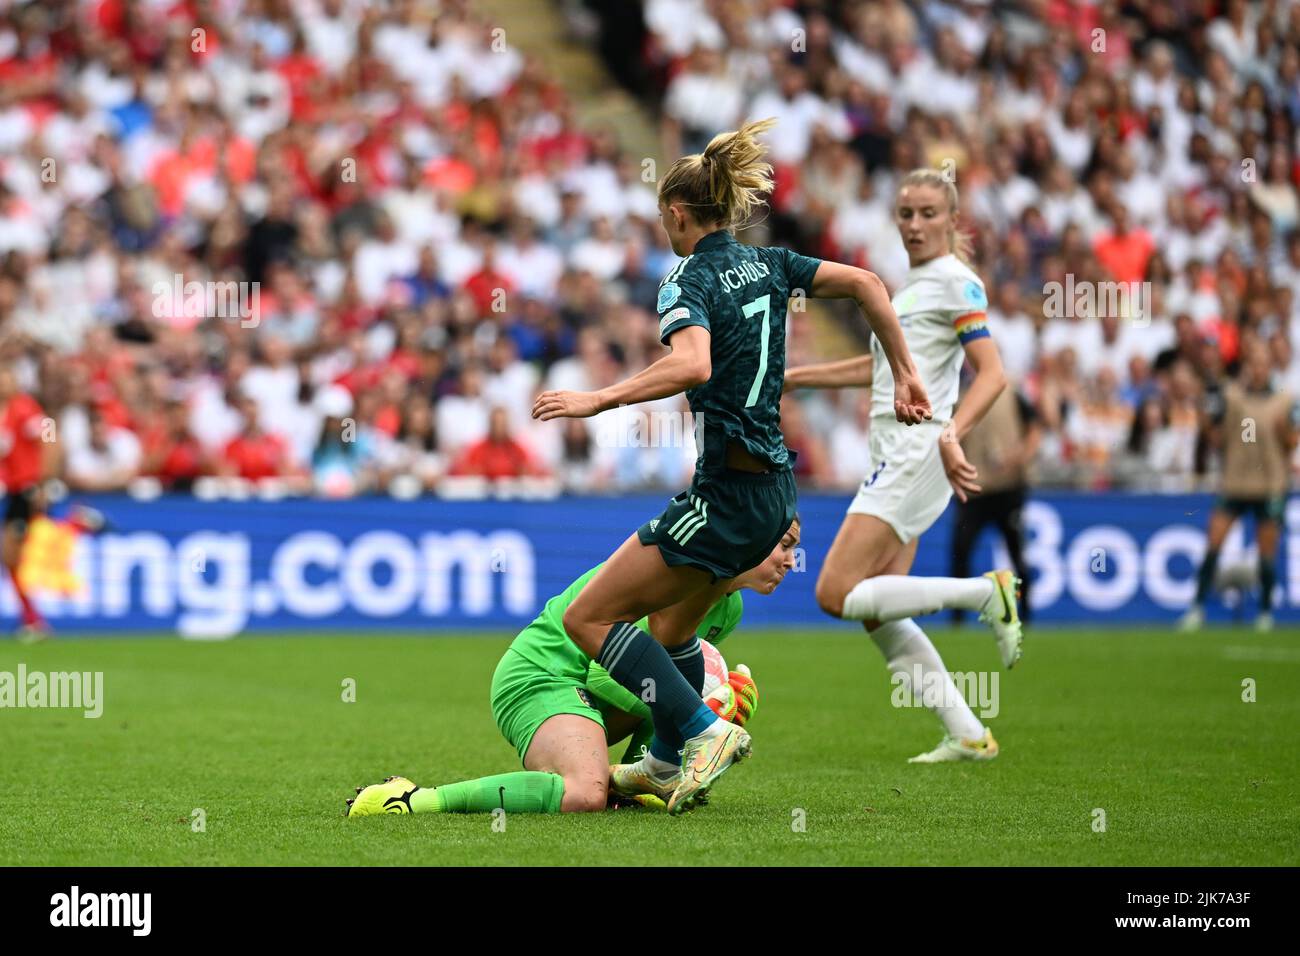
(846, 373)
(834, 280)
(688, 364)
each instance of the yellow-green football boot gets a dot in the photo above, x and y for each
(705, 758)
(391, 796)
(1001, 613)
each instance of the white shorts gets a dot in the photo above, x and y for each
(906, 487)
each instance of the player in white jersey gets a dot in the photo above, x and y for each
(916, 470)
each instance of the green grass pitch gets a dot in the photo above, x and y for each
(1147, 726)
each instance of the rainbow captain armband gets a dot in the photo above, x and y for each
(971, 326)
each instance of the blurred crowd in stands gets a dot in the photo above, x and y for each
(1149, 144)
(422, 236)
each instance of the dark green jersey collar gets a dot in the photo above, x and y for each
(714, 240)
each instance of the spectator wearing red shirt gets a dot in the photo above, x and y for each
(1123, 251)
(490, 287)
(24, 463)
(254, 454)
(499, 454)
(305, 78)
(453, 173)
(171, 453)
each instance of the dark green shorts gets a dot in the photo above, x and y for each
(725, 523)
(1262, 509)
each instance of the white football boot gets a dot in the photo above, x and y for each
(952, 749)
(1192, 621)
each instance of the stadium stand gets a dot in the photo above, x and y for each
(434, 236)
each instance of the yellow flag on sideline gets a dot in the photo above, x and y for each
(46, 562)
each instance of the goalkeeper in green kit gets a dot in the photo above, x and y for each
(561, 711)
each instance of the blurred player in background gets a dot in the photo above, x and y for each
(1001, 447)
(562, 711)
(722, 311)
(1254, 424)
(26, 460)
(915, 471)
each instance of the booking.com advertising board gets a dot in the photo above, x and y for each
(209, 570)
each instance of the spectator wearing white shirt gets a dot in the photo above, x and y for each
(1155, 83)
(798, 112)
(214, 418)
(510, 383)
(462, 418)
(534, 267)
(590, 367)
(1233, 35)
(601, 253)
(331, 31)
(1006, 195)
(680, 26)
(1014, 331)
(864, 229)
(1141, 192)
(253, 95)
(418, 213)
(701, 101)
(109, 460)
(1019, 99)
(1071, 133)
(380, 259)
(1276, 194)
(273, 383)
(850, 444)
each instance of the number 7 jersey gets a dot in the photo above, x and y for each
(740, 294)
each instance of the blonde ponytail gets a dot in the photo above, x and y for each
(725, 183)
(959, 243)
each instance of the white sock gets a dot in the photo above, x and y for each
(660, 768)
(909, 653)
(892, 597)
(719, 726)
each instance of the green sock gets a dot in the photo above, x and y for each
(525, 791)
(641, 737)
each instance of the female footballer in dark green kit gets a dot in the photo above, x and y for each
(722, 314)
